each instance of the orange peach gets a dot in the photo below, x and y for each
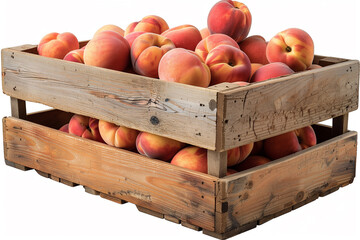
(76, 55)
(146, 52)
(240, 83)
(118, 136)
(151, 23)
(85, 127)
(271, 70)
(108, 49)
(239, 154)
(231, 18)
(255, 49)
(228, 64)
(209, 43)
(110, 27)
(184, 66)
(204, 33)
(294, 47)
(251, 162)
(157, 147)
(57, 45)
(184, 36)
(254, 67)
(65, 128)
(193, 158)
(306, 137)
(132, 36)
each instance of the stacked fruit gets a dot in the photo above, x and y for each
(222, 52)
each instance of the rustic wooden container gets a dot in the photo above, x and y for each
(216, 118)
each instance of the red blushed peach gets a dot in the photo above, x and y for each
(151, 23)
(206, 45)
(110, 27)
(157, 147)
(193, 158)
(254, 68)
(281, 145)
(255, 49)
(65, 128)
(204, 33)
(245, 151)
(271, 70)
(76, 55)
(132, 36)
(184, 66)
(146, 52)
(306, 137)
(251, 162)
(239, 154)
(294, 47)
(108, 49)
(242, 83)
(184, 36)
(228, 64)
(230, 171)
(231, 18)
(314, 66)
(118, 136)
(57, 45)
(85, 127)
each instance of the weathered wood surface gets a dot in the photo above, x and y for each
(152, 184)
(272, 188)
(269, 108)
(183, 112)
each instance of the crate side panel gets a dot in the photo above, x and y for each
(279, 185)
(155, 185)
(183, 112)
(272, 107)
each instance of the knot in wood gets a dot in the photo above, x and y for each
(154, 120)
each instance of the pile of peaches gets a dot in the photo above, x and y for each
(222, 52)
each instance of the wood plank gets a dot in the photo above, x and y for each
(281, 184)
(269, 108)
(150, 212)
(152, 184)
(112, 198)
(217, 163)
(91, 191)
(122, 98)
(18, 108)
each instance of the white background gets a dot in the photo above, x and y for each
(32, 207)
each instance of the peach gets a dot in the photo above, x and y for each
(306, 137)
(110, 27)
(271, 70)
(157, 147)
(108, 49)
(294, 47)
(254, 68)
(65, 128)
(184, 66)
(228, 64)
(193, 158)
(255, 49)
(230, 171)
(251, 162)
(204, 33)
(314, 66)
(240, 83)
(151, 23)
(239, 154)
(146, 52)
(132, 36)
(206, 45)
(76, 55)
(118, 136)
(85, 127)
(258, 148)
(184, 36)
(57, 45)
(231, 18)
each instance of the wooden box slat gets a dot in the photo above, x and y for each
(153, 184)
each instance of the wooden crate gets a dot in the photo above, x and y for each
(222, 117)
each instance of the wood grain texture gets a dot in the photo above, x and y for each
(18, 108)
(151, 184)
(272, 107)
(265, 191)
(183, 112)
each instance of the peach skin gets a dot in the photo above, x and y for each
(193, 158)
(255, 49)
(306, 137)
(251, 162)
(65, 128)
(146, 52)
(206, 45)
(254, 68)
(184, 36)
(132, 36)
(157, 147)
(271, 70)
(151, 23)
(294, 47)
(110, 27)
(239, 154)
(76, 55)
(108, 49)
(118, 136)
(231, 18)
(85, 127)
(281, 145)
(184, 66)
(57, 45)
(228, 64)
(204, 33)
